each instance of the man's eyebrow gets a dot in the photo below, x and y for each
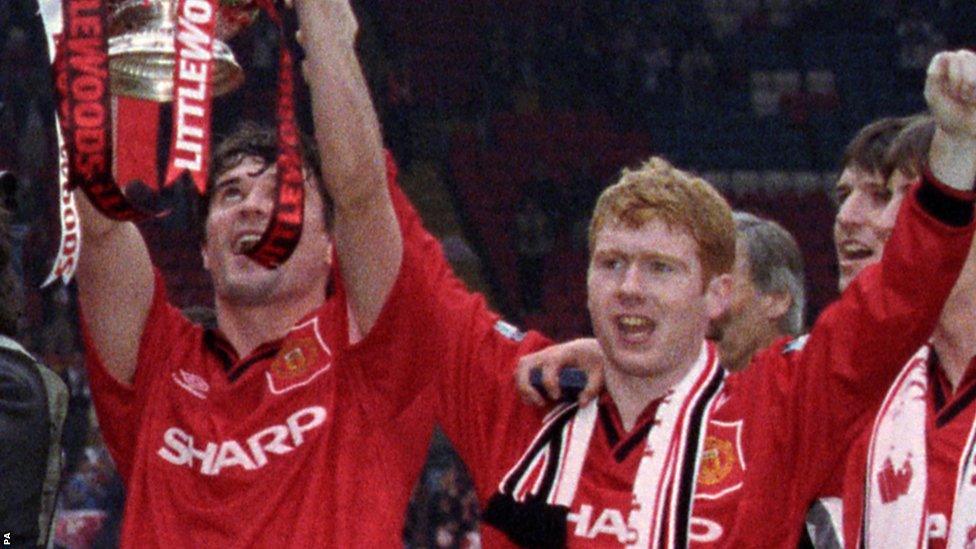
(878, 184)
(608, 252)
(220, 184)
(666, 258)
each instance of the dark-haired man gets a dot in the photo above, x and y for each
(861, 195)
(909, 480)
(293, 423)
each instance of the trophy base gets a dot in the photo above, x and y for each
(141, 66)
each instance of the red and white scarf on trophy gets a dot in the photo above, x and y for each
(665, 482)
(895, 499)
(70, 246)
(77, 36)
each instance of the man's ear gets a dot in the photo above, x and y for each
(718, 295)
(775, 304)
(329, 250)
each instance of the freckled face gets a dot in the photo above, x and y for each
(648, 305)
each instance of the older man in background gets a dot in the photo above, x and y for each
(768, 295)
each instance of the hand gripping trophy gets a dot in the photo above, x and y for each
(162, 51)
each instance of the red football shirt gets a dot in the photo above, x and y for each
(779, 428)
(307, 442)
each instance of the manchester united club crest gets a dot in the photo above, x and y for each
(722, 467)
(717, 459)
(304, 356)
(294, 361)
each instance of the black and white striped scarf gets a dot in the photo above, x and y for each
(534, 498)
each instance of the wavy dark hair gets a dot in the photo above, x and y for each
(255, 140)
(867, 149)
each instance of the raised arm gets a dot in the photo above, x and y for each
(950, 90)
(348, 136)
(115, 288)
(855, 350)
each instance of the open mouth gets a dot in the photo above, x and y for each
(854, 251)
(635, 328)
(246, 243)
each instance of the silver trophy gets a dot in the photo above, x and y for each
(142, 48)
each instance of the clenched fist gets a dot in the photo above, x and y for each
(950, 90)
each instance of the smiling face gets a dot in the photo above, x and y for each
(859, 239)
(240, 208)
(649, 304)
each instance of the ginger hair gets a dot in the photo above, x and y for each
(658, 190)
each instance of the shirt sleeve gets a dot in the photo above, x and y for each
(479, 408)
(402, 353)
(119, 406)
(434, 333)
(825, 391)
(476, 353)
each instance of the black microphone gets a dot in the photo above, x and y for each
(572, 381)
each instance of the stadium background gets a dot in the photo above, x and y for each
(507, 118)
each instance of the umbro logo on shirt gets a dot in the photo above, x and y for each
(194, 384)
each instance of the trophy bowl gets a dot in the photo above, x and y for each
(142, 48)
